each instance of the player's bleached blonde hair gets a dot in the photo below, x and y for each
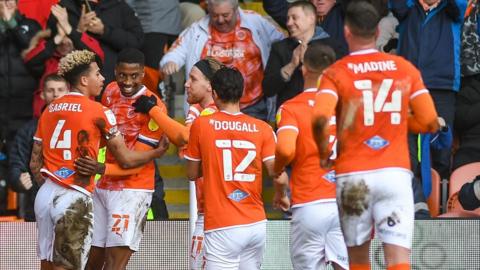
(75, 59)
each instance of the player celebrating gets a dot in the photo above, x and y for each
(316, 236)
(121, 202)
(71, 127)
(229, 148)
(199, 96)
(372, 94)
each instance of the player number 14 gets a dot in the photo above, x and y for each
(227, 147)
(379, 104)
(62, 143)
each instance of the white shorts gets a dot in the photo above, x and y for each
(197, 251)
(380, 198)
(120, 217)
(316, 237)
(238, 248)
(65, 225)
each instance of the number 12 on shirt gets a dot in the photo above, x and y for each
(379, 104)
(228, 146)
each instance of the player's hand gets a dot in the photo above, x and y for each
(170, 68)
(163, 146)
(88, 166)
(144, 104)
(281, 201)
(26, 180)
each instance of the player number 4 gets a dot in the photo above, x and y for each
(65, 142)
(379, 104)
(227, 147)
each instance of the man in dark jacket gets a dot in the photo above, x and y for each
(330, 14)
(283, 76)
(112, 22)
(16, 84)
(430, 39)
(19, 175)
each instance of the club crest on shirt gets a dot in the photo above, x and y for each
(376, 142)
(238, 195)
(64, 172)
(152, 125)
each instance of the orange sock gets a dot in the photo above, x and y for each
(400, 266)
(359, 266)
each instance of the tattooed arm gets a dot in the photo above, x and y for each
(36, 162)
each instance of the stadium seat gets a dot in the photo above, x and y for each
(460, 176)
(433, 200)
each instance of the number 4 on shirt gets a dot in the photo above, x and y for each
(65, 143)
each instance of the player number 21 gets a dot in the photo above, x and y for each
(238, 174)
(379, 104)
(62, 143)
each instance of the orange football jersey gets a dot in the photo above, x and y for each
(237, 49)
(72, 127)
(135, 127)
(309, 182)
(231, 148)
(193, 113)
(374, 91)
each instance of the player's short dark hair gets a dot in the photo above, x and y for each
(362, 19)
(76, 64)
(131, 56)
(228, 84)
(318, 56)
(52, 77)
(305, 5)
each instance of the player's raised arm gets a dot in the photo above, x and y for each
(176, 132)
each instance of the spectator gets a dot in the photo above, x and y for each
(113, 23)
(387, 40)
(19, 175)
(469, 195)
(16, 83)
(467, 113)
(330, 15)
(234, 37)
(283, 75)
(430, 39)
(60, 39)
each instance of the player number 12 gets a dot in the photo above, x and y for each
(379, 104)
(237, 175)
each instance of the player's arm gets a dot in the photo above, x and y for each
(193, 152)
(36, 162)
(176, 132)
(90, 166)
(424, 116)
(280, 184)
(325, 103)
(194, 169)
(285, 149)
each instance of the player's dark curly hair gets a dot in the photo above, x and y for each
(228, 84)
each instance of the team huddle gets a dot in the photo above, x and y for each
(343, 142)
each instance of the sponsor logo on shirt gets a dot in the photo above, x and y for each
(64, 172)
(376, 142)
(238, 195)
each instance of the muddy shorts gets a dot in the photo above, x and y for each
(120, 217)
(379, 201)
(65, 225)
